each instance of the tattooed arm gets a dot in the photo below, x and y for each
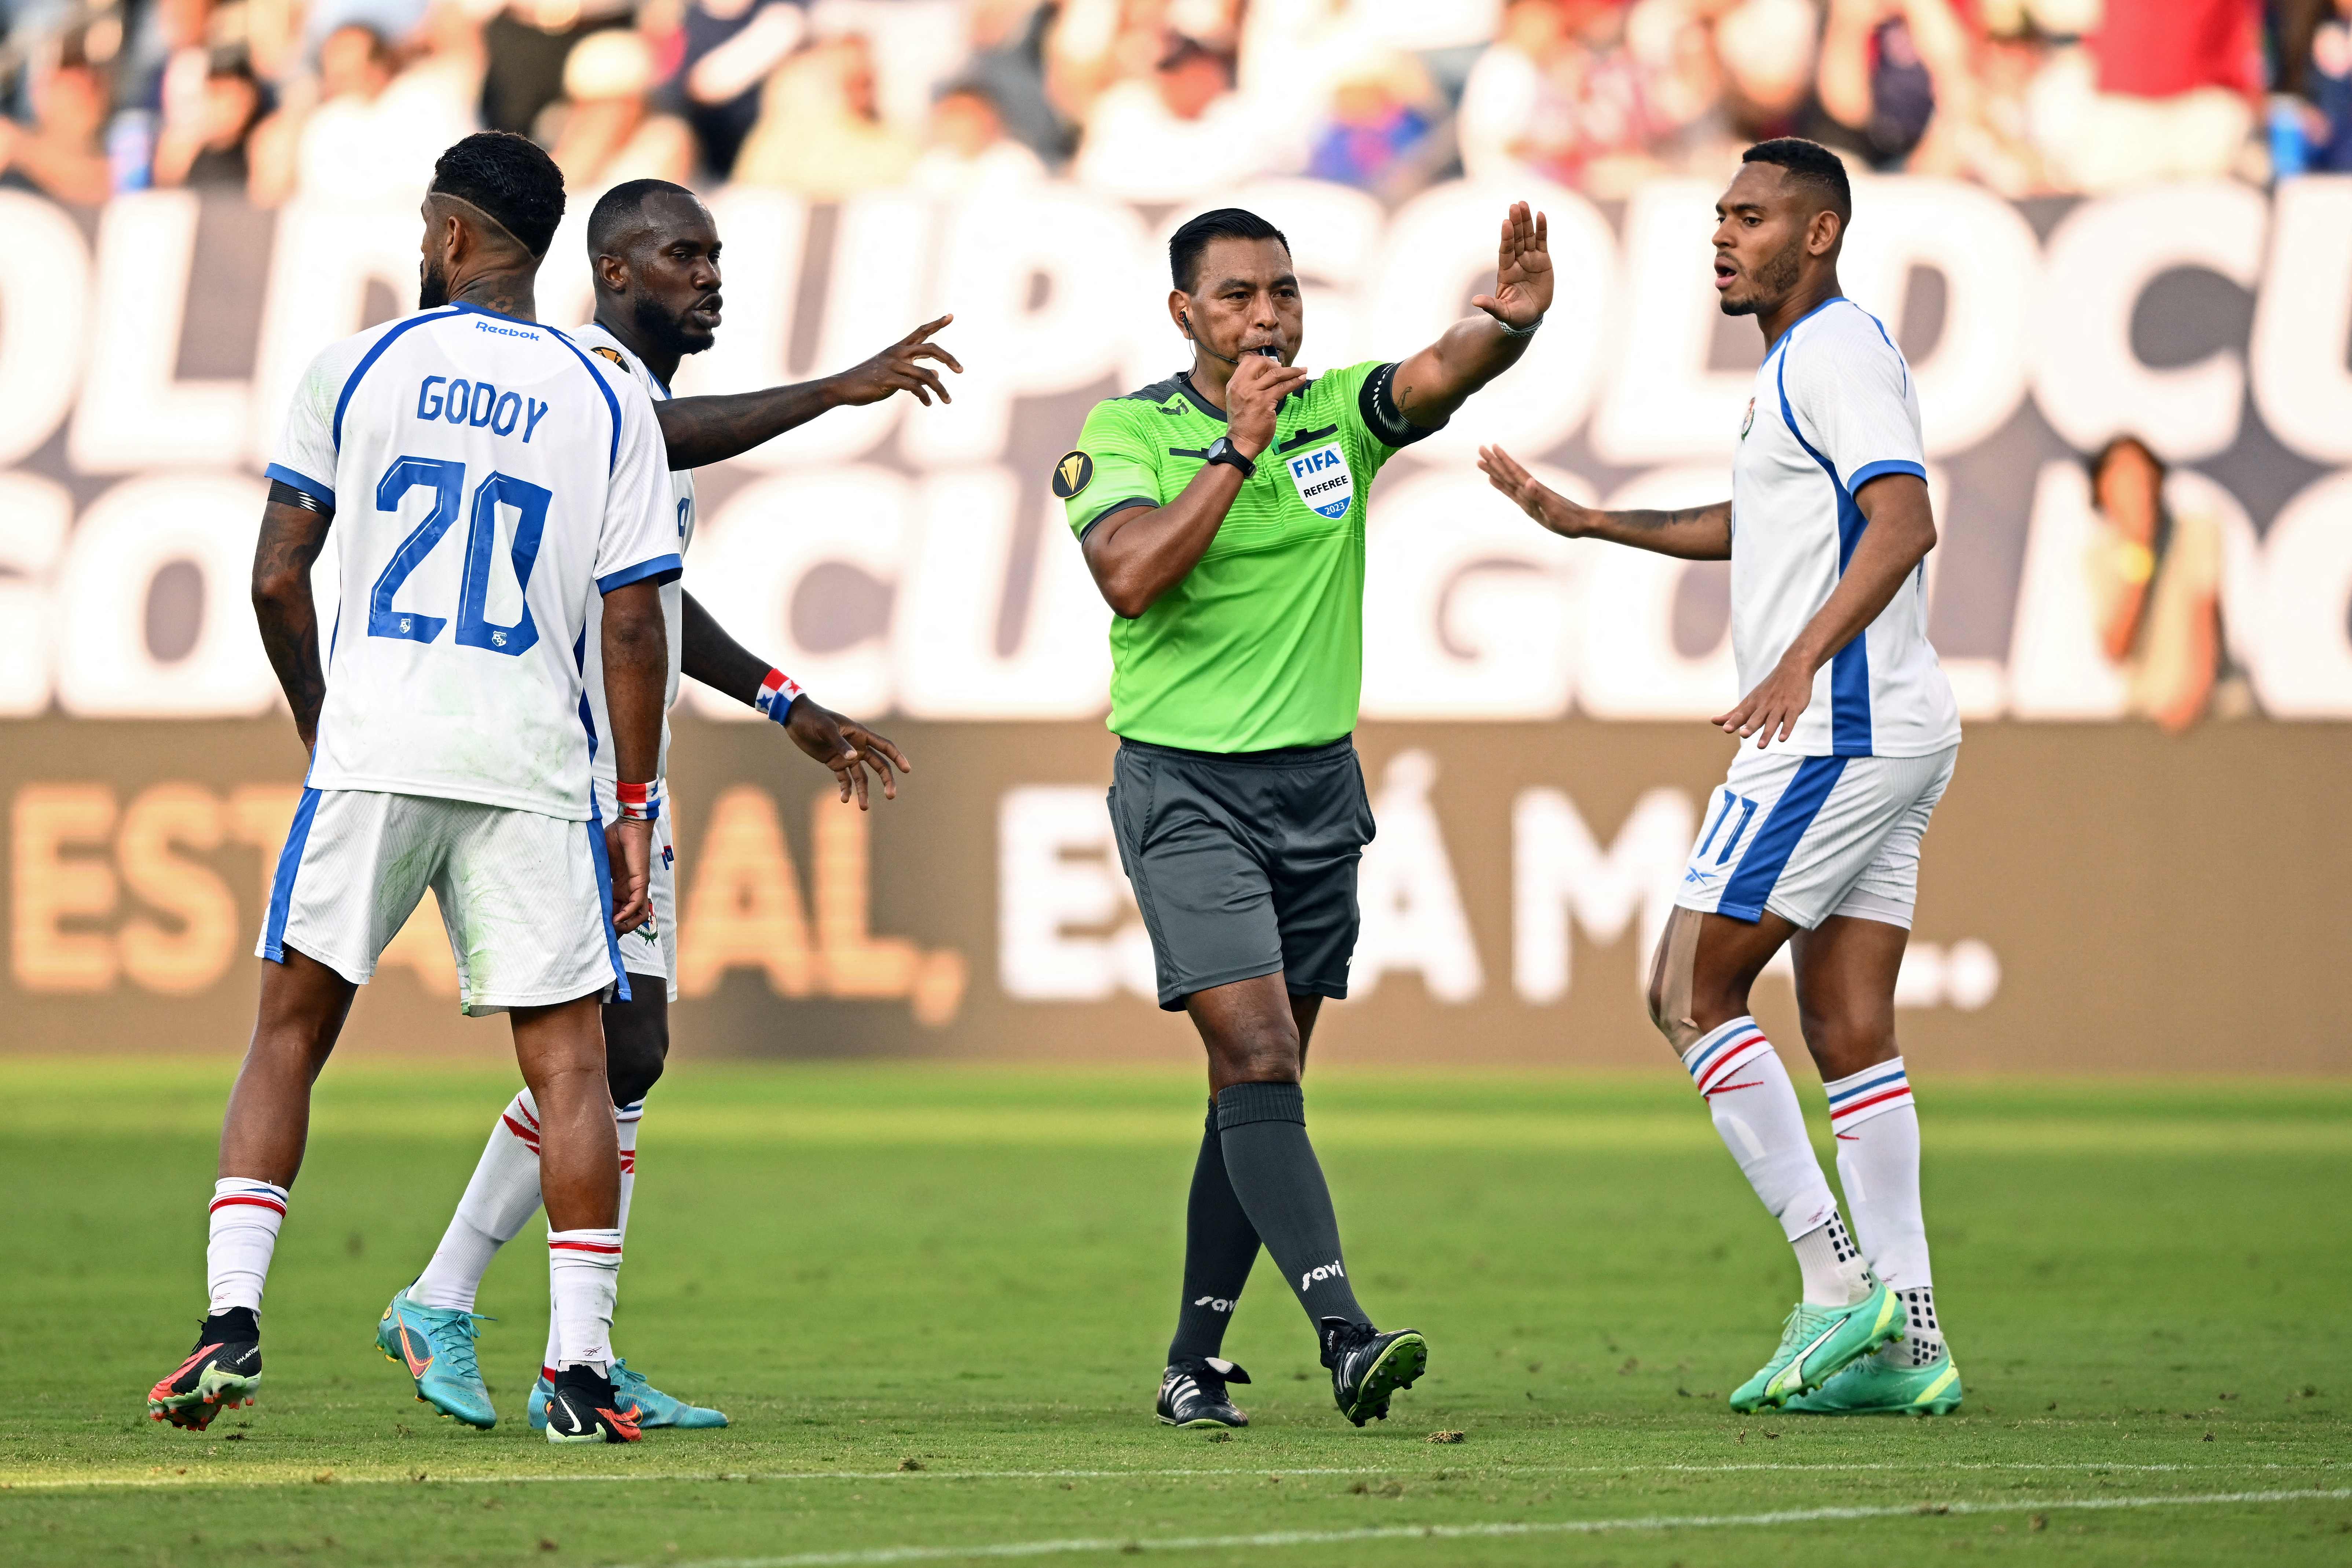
(1694, 533)
(293, 531)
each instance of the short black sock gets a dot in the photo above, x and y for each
(1263, 1127)
(239, 1325)
(1219, 1246)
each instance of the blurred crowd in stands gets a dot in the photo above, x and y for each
(1163, 100)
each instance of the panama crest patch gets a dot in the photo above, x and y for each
(1747, 420)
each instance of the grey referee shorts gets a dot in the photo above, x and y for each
(1244, 863)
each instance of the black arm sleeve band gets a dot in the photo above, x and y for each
(1382, 417)
(1115, 506)
(283, 494)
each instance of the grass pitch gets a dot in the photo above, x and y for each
(935, 1301)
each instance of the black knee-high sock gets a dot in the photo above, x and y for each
(1263, 1127)
(1219, 1246)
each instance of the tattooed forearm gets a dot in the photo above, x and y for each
(293, 531)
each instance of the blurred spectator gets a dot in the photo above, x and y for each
(61, 153)
(2164, 90)
(1511, 110)
(1382, 112)
(730, 47)
(1767, 47)
(208, 118)
(1095, 46)
(603, 132)
(1990, 135)
(968, 152)
(528, 42)
(1008, 65)
(1561, 96)
(1180, 132)
(820, 131)
(2156, 579)
(1873, 79)
(2327, 79)
(360, 133)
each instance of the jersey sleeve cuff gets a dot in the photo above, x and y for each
(1376, 402)
(1115, 506)
(303, 482)
(1869, 472)
(660, 568)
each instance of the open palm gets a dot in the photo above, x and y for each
(1523, 277)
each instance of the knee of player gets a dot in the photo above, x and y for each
(637, 1044)
(1269, 1054)
(1844, 1043)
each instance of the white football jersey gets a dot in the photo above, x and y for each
(1834, 408)
(599, 342)
(490, 480)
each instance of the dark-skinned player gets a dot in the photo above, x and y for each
(655, 252)
(1813, 840)
(1222, 513)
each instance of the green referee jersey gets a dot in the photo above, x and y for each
(1262, 644)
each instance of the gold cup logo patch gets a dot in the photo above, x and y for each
(1073, 474)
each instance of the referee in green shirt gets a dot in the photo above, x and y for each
(1222, 513)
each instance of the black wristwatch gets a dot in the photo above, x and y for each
(1223, 450)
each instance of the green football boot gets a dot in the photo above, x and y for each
(1871, 1387)
(436, 1344)
(1819, 1342)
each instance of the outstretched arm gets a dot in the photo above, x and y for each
(293, 529)
(848, 748)
(1438, 380)
(703, 430)
(1899, 530)
(1693, 534)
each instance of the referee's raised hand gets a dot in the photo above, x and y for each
(1255, 390)
(1523, 275)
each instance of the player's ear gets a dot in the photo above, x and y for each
(1827, 229)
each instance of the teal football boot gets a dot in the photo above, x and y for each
(436, 1345)
(654, 1408)
(1819, 1342)
(1871, 1387)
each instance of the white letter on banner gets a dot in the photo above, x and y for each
(2304, 319)
(1971, 381)
(751, 559)
(1440, 251)
(766, 237)
(1086, 249)
(881, 242)
(35, 515)
(130, 533)
(2056, 668)
(2101, 259)
(1470, 608)
(1058, 867)
(44, 289)
(135, 413)
(1412, 916)
(1664, 404)
(2305, 667)
(323, 256)
(1631, 668)
(1557, 868)
(943, 629)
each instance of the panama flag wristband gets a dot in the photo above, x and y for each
(778, 692)
(640, 802)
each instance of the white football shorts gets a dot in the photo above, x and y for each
(525, 898)
(1809, 838)
(655, 957)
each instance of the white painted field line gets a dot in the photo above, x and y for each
(1505, 1470)
(889, 1554)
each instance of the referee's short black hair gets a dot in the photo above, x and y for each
(618, 210)
(1810, 163)
(1184, 247)
(509, 178)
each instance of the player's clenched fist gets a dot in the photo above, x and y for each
(1257, 388)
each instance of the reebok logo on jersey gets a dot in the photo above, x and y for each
(1214, 1303)
(1331, 1270)
(1323, 478)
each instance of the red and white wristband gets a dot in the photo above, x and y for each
(777, 694)
(639, 802)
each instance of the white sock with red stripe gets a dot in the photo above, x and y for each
(1756, 1112)
(499, 1200)
(1877, 1129)
(246, 1214)
(583, 1274)
(624, 1122)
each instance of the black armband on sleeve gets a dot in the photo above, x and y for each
(1115, 506)
(283, 494)
(1382, 417)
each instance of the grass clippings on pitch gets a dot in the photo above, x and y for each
(935, 1301)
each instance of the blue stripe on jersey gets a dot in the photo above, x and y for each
(595, 827)
(1850, 666)
(612, 404)
(587, 714)
(1869, 472)
(373, 355)
(303, 482)
(1768, 853)
(282, 886)
(1898, 359)
(661, 569)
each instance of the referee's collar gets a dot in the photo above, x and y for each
(1191, 394)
